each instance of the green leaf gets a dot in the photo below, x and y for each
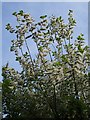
(80, 49)
(15, 13)
(60, 17)
(17, 27)
(71, 11)
(64, 58)
(21, 12)
(40, 48)
(45, 21)
(43, 29)
(42, 17)
(57, 63)
(12, 48)
(82, 34)
(8, 26)
(54, 53)
(74, 22)
(23, 20)
(80, 37)
(18, 58)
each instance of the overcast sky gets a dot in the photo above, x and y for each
(36, 10)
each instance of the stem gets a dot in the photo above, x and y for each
(29, 54)
(54, 47)
(66, 45)
(49, 103)
(55, 104)
(19, 46)
(76, 91)
(28, 36)
(83, 95)
(54, 110)
(50, 57)
(21, 51)
(69, 36)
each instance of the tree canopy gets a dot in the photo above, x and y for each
(53, 84)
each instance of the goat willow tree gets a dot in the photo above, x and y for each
(54, 83)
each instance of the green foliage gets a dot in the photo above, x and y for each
(55, 83)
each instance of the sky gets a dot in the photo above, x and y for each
(36, 9)
(1, 40)
(45, 0)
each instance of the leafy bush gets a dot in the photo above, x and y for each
(54, 83)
